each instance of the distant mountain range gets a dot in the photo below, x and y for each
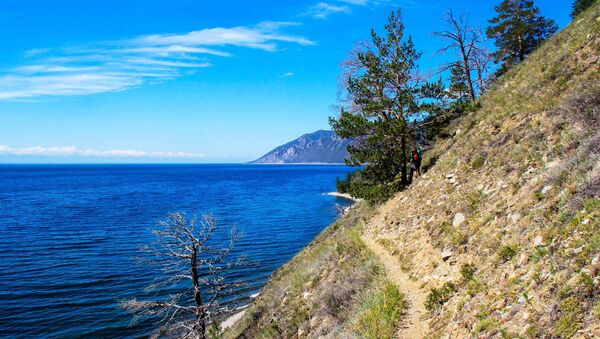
(318, 147)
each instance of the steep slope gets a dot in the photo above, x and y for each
(317, 147)
(509, 214)
(502, 233)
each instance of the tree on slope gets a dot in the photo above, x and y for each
(465, 41)
(579, 6)
(193, 251)
(518, 29)
(385, 93)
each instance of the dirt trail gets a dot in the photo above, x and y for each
(412, 325)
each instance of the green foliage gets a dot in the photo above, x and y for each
(477, 162)
(439, 296)
(568, 323)
(539, 253)
(579, 6)
(385, 96)
(343, 185)
(518, 29)
(468, 271)
(486, 325)
(507, 252)
(381, 313)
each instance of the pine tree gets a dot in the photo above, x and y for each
(581, 5)
(385, 94)
(518, 29)
(459, 88)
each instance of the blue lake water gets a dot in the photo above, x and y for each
(69, 234)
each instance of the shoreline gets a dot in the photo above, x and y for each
(343, 196)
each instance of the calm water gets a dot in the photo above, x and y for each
(69, 234)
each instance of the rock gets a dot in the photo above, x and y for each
(446, 254)
(578, 250)
(522, 299)
(539, 241)
(459, 218)
(585, 221)
(305, 295)
(546, 189)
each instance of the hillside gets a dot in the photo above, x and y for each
(317, 147)
(501, 236)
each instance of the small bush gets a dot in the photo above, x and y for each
(477, 162)
(439, 296)
(382, 313)
(468, 271)
(507, 252)
(539, 253)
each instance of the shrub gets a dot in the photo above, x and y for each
(439, 296)
(468, 271)
(507, 252)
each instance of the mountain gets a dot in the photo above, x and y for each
(317, 147)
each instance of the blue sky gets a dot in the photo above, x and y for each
(184, 80)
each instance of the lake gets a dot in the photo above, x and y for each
(70, 234)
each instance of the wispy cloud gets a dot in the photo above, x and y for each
(287, 74)
(74, 151)
(114, 66)
(323, 10)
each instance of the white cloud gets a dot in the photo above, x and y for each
(323, 9)
(118, 65)
(287, 75)
(74, 151)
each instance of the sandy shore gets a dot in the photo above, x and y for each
(343, 196)
(229, 322)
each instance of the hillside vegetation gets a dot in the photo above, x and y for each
(502, 232)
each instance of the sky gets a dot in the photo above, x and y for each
(184, 81)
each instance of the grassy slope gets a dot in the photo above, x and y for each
(526, 176)
(524, 171)
(334, 287)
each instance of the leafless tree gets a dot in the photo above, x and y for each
(465, 40)
(481, 61)
(186, 250)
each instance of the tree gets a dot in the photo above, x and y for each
(465, 40)
(481, 63)
(579, 6)
(385, 94)
(518, 30)
(459, 88)
(186, 250)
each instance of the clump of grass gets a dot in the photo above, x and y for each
(539, 253)
(381, 313)
(507, 252)
(439, 296)
(486, 325)
(477, 162)
(468, 271)
(568, 323)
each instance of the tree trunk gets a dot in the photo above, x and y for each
(200, 314)
(403, 168)
(467, 70)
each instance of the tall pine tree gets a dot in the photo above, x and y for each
(579, 6)
(386, 94)
(518, 29)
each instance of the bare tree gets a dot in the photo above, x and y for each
(465, 41)
(481, 61)
(186, 250)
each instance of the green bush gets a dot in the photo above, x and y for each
(439, 296)
(507, 252)
(468, 271)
